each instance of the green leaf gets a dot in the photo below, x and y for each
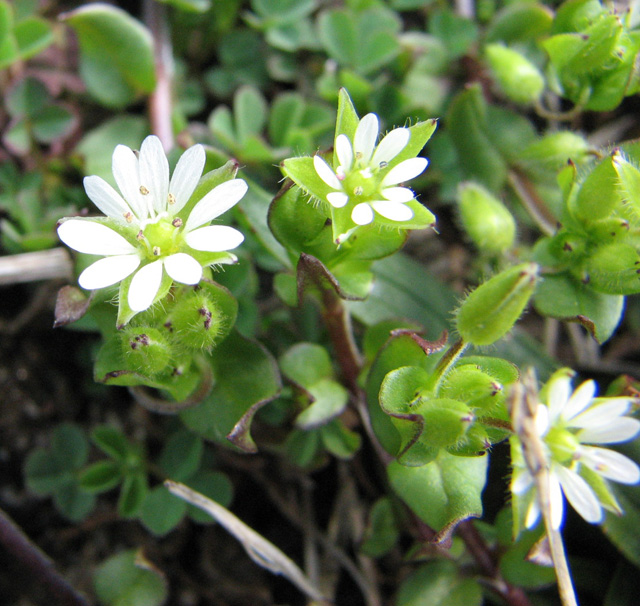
(190, 6)
(443, 492)
(98, 144)
(73, 503)
(439, 583)
(53, 122)
(181, 455)
(329, 400)
(469, 129)
(306, 364)
(249, 111)
(562, 296)
(69, 446)
(457, 33)
(161, 511)
(338, 440)
(44, 474)
(381, 533)
(27, 97)
(101, 476)
(133, 493)
(116, 54)
(246, 378)
(32, 35)
(112, 442)
(520, 21)
(126, 579)
(214, 485)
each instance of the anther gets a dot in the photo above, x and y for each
(171, 199)
(144, 191)
(177, 222)
(156, 251)
(383, 164)
(140, 235)
(358, 191)
(128, 216)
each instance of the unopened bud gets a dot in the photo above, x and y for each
(487, 221)
(519, 79)
(196, 321)
(145, 349)
(492, 309)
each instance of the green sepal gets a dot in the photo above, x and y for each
(478, 390)
(303, 173)
(125, 313)
(598, 195)
(614, 269)
(601, 488)
(208, 182)
(628, 184)
(347, 119)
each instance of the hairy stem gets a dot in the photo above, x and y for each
(36, 565)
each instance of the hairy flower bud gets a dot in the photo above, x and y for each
(519, 79)
(487, 221)
(196, 321)
(492, 309)
(145, 349)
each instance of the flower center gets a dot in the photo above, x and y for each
(564, 446)
(360, 185)
(161, 237)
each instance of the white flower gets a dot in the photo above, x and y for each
(147, 236)
(361, 173)
(568, 424)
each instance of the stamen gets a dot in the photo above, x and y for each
(128, 216)
(171, 199)
(177, 222)
(140, 235)
(358, 191)
(358, 155)
(144, 191)
(383, 164)
(156, 251)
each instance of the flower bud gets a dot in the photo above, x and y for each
(474, 387)
(491, 310)
(145, 349)
(446, 422)
(487, 221)
(519, 79)
(195, 321)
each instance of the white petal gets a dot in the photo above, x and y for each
(620, 429)
(214, 238)
(183, 268)
(611, 465)
(394, 211)
(542, 420)
(93, 238)
(398, 194)
(362, 214)
(107, 199)
(344, 152)
(392, 144)
(218, 201)
(533, 513)
(108, 271)
(580, 399)
(579, 494)
(337, 199)
(144, 286)
(325, 172)
(601, 413)
(365, 138)
(559, 392)
(406, 170)
(154, 172)
(127, 176)
(556, 501)
(186, 176)
(521, 481)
